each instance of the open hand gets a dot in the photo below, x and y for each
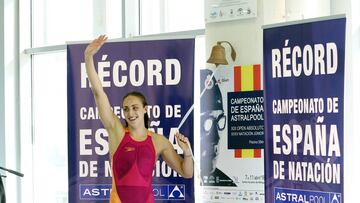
(95, 45)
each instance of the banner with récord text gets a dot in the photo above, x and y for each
(304, 111)
(163, 70)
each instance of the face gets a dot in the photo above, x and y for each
(211, 123)
(134, 111)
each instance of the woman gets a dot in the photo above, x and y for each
(133, 149)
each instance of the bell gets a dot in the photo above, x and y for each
(217, 55)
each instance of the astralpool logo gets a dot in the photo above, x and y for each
(285, 195)
(95, 191)
(169, 192)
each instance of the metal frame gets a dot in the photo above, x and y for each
(169, 35)
(2, 88)
(13, 88)
(303, 21)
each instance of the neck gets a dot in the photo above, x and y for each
(139, 131)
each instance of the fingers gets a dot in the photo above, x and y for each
(95, 45)
(184, 143)
(102, 39)
(182, 137)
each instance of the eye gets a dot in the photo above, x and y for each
(135, 108)
(221, 122)
(126, 109)
(208, 124)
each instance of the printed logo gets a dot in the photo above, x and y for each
(129, 149)
(335, 198)
(169, 192)
(95, 191)
(176, 192)
(208, 82)
(287, 195)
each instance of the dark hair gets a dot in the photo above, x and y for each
(143, 101)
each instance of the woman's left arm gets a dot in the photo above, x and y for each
(183, 166)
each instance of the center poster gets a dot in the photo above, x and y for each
(232, 135)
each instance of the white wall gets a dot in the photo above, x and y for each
(297, 10)
(245, 36)
(275, 11)
(26, 159)
(352, 96)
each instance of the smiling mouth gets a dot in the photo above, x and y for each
(132, 118)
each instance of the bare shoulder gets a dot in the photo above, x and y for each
(116, 135)
(158, 138)
(160, 141)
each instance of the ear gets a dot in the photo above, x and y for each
(146, 109)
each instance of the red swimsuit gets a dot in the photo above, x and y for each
(132, 167)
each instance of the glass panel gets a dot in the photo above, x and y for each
(150, 17)
(56, 22)
(158, 16)
(184, 15)
(50, 128)
(114, 18)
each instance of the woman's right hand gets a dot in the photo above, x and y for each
(95, 45)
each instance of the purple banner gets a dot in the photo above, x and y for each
(163, 70)
(304, 112)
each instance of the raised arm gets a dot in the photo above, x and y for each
(184, 166)
(110, 121)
